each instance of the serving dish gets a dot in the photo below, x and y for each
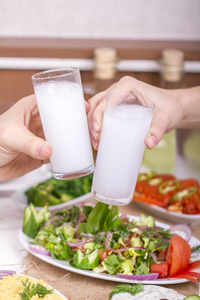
(150, 292)
(164, 214)
(25, 240)
(10, 273)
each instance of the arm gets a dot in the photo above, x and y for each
(173, 109)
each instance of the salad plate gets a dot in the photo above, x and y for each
(25, 240)
(20, 199)
(169, 215)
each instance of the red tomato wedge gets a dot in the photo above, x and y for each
(161, 268)
(178, 255)
(103, 254)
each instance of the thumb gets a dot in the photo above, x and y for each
(26, 142)
(157, 130)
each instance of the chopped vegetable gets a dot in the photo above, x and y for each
(34, 220)
(175, 258)
(53, 191)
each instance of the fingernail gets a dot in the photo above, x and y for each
(151, 141)
(96, 126)
(95, 145)
(44, 150)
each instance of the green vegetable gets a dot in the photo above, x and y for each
(147, 221)
(86, 262)
(113, 264)
(101, 218)
(195, 248)
(192, 297)
(34, 289)
(146, 176)
(185, 193)
(53, 191)
(169, 186)
(34, 220)
(127, 288)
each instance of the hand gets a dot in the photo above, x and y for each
(167, 114)
(22, 144)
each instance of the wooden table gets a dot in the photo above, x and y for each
(73, 286)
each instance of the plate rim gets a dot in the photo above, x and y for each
(21, 204)
(195, 218)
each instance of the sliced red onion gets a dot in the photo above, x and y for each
(82, 242)
(39, 250)
(154, 256)
(151, 276)
(81, 219)
(107, 245)
(6, 273)
(183, 230)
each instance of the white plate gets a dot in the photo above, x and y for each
(65, 265)
(168, 215)
(29, 179)
(150, 292)
(20, 199)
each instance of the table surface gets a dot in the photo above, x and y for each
(73, 286)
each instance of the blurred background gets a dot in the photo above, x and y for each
(39, 35)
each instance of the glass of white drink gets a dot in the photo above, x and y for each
(126, 122)
(62, 110)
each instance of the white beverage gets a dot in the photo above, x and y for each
(120, 153)
(62, 110)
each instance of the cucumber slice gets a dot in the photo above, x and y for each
(192, 297)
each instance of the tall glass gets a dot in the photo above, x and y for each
(126, 122)
(62, 110)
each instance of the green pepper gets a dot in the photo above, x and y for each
(169, 186)
(146, 176)
(185, 193)
(155, 181)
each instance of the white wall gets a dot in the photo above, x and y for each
(128, 19)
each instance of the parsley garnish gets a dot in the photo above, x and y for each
(32, 290)
(195, 248)
(127, 288)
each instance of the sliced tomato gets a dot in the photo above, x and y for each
(162, 254)
(103, 254)
(193, 265)
(186, 276)
(161, 268)
(178, 255)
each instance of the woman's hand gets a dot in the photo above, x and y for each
(167, 114)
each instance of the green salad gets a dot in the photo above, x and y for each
(98, 238)
(53, 191)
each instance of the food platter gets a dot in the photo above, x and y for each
(168, 215)
(25, 240)
(20, 199)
